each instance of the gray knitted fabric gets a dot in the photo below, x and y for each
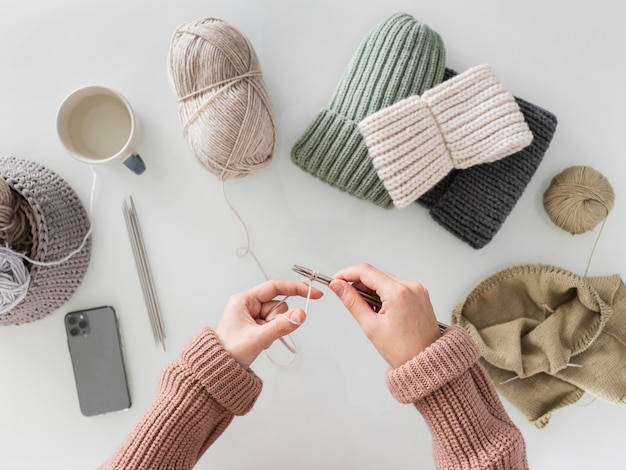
(62, 223)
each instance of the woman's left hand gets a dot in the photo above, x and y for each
(253, 319)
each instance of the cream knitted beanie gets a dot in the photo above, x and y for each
(467, 120)
(547, 335)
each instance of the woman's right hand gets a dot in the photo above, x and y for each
(406, 323)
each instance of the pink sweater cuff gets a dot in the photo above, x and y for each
(233, 387)
(443, 361)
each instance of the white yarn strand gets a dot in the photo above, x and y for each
(291, 347)
(247, 250)
(244, 250)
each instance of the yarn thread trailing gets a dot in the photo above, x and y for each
(225, 110)
(578, 199)
(224, 105)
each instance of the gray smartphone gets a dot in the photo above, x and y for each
(95, 345)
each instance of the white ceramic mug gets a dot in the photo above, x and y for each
(97, 125)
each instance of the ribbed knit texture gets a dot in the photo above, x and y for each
(531, 321)
(462, 122)
(198, 398)
(470, 428)
(473, 203)
(230, 386)
(399, 58)
(62, 224)
(199, 395)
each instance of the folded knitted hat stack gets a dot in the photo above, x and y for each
(399, 58)
(403, 128)
(473, 203)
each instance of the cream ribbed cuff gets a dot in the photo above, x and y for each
(467, 120)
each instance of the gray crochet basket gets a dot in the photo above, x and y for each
(62, 224)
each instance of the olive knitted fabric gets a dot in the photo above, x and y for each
(62, 224)
(547, 335)
(399, 58)
(473, 203)
(462, 122)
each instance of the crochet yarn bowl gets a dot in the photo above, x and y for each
(62, 223)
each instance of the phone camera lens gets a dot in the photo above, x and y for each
(74, 331)
(82, 324)
(71, 320)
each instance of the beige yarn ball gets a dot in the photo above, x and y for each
(224, 105)
(578, 199)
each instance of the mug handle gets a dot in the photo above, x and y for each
(135, 164)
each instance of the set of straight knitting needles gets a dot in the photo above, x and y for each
(143, 269)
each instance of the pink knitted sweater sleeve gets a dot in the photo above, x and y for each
(197, 399)
(469, 426)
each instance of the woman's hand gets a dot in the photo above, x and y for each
(246, 327)
(406, 323)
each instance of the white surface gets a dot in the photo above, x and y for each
(331, 409)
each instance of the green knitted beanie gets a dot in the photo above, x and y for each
(399, 58)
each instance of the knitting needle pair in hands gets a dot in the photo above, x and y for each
(402, 328)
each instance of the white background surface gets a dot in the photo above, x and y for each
(331, 409)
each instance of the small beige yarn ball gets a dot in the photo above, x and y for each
(578, 199)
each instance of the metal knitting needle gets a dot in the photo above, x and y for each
(144, 275)
(372, 299)
(156, 311)
(133, 243)
(140, 270)
(148, 274)
(143, 270)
